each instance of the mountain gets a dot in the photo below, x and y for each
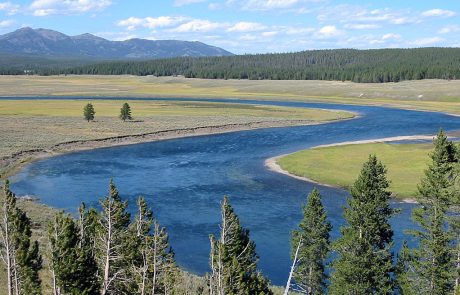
(45, 43)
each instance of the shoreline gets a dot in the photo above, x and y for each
(272, 163)
(12, 164)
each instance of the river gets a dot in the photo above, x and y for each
(184, 180)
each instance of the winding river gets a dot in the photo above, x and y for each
(185, 179)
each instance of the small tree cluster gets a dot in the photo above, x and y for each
(125, 112)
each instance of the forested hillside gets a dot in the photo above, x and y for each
(377, 66)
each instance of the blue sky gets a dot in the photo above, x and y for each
(249, 26)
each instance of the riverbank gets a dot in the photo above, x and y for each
(273, 163)
(430, 95)
(54, 127)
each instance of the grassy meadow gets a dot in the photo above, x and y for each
(433, 95)
(35, 124)
(340, 165)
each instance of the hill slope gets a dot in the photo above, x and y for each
(42, 43)
(379, 65)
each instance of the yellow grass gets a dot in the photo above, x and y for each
(434, 95)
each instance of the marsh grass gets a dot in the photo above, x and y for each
(340, 165)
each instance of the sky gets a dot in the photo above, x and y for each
(249, 26)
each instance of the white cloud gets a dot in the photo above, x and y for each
(246, 27)
(329, 31)
(6, 23)
(9, 7)
(270, 34)
(428, 41)
(187, 2)
(52, 7)
(269, 4)
(449, 29)
(438, 13)
(362, 26)
(132, 23)
(197, 25)
(391, 36)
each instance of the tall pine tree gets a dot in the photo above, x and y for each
(433, 264)
(364, 264)
(313, 243)
(234, 259)
(21, 255)
(72, 263)
(111, 238)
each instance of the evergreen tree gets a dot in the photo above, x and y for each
(404, 272)
(153, 268)
(71, 262)
(234, 259)
(23, 259)
(88, 112)
(111, 238)
(364, 263)
(312, 241)
(125, 112)
(434, 270)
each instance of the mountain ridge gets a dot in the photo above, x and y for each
(53, 44)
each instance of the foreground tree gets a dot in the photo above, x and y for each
(88, 112)
(310, 247)
(111, 241)
(21, 257)
(364, 263)
(234, 259)
(153, 269)
(433, 266)
(72, 264)
(125, 112)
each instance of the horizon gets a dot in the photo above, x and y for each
(248, 27)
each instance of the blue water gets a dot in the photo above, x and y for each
(185, 179)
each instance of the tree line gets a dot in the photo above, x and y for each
(108, 251)
(364, 66)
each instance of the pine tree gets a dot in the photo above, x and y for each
(234, 259)
(434, 271)
(88, 112)
(153, 268)
(313, 237)
(22, 258)
(72, 265)
(111, 238)
(404, 272)
(364, 263)
(125, 112)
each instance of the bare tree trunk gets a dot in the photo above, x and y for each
(291, 273)
(105, 285)
(155, 262)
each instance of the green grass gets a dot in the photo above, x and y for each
(340, 165)
(434, 95)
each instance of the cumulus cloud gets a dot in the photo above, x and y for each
(428, 41)
(9, 7)
(6, 23)
(329, 31)
(197, 25)
(362, 26)
(246, 27)
(391, 36)
(132, 23)
(438, 13)
(187, 2)
(53, 7)
(449, 29)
